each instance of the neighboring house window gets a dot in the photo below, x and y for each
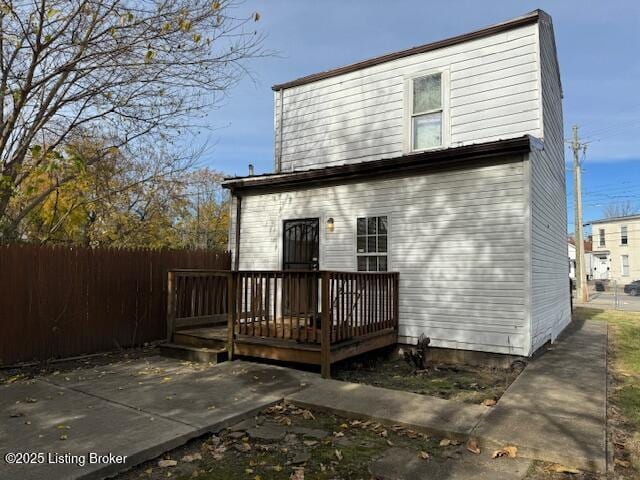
(601, 237)
(427, 112)
(625, 265)
(372, 244)
(624, 239)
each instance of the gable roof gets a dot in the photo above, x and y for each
(526, 19)
(402, 165)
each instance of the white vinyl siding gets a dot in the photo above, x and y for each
(456, 237)
(493, 93)
(550, 308)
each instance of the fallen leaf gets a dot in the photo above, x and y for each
(30, 400)
(307, 415)
(277, 468)
(383, 434)
(191, 458)
(248, 470)
(472, 446)
(167, 463)
(63, 437)
(310, 443)
(424, 455)
(445, 442)
(390, 443)
(344, 425)
(508, 451)
(339, 454)
(557, 468)
(338, 434)
(622, 463)
(297, 474)
(489, 402)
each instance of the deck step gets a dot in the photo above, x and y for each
(204, 337)
(193, 354)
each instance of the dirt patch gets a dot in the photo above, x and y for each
(464, 383)
(284, 441)
(8, 375)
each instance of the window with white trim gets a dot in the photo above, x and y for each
(427, 111)
(601, 234)
(624, 237)
(372, 244)
(625, 265)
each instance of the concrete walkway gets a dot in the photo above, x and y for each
(138, 409)
(421, 412)
(556, 409)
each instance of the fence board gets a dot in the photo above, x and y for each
(58, 301)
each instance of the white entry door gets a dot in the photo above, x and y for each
(601, 268)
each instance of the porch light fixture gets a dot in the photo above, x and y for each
(330, 225)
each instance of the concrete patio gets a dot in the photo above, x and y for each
(138, 409)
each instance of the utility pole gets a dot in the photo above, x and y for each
(581, 278)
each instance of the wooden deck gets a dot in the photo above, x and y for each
(215, 336)
(310, 317)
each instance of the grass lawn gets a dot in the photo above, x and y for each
(463, 383)
(624, 395)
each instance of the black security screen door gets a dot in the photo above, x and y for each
(301, 250)
(301, 244)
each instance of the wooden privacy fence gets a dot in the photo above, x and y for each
(64, 301)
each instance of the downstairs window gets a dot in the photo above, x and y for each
(372, 244)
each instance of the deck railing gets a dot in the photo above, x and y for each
(197, 297)
(322, 308)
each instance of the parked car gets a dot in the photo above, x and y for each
(633, 288)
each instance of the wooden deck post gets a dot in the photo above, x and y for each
(231, 313)
(396, 301)
(171, 304)
(325, 333)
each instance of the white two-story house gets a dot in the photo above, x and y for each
(443, 162)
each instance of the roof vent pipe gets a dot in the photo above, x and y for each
(251, 169)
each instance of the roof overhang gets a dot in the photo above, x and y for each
(526, 19)
(625, 218)
(395, 166)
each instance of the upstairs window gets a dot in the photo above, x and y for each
(426, 107)
(624, 239)
(601, 235)
(372, 244)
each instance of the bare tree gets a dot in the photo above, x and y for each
(620, 209)
(115, 71)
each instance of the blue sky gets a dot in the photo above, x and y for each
(598, 47)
